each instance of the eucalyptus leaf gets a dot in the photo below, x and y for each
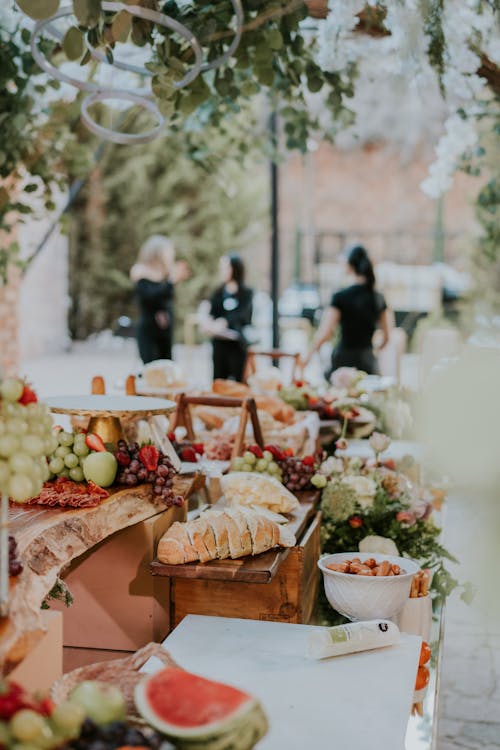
(73, 43)
(39, 9)
(88, 12)
(121, 26)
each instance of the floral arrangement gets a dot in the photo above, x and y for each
(370, 506)
(453, 44)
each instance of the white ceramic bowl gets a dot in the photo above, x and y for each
(367, 597)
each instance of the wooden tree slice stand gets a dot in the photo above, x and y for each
(49, 539)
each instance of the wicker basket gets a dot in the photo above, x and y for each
(124, 673)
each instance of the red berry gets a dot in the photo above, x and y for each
(355, 522)
(189, 455)
(199, 448)
(28, 396)
(308, 460)
(256, 450)
(149, 455)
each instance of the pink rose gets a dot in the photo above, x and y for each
(406, 517)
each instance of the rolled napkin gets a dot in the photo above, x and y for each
(353, 637)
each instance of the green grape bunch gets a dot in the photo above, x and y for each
(25, 440)
(66, 460)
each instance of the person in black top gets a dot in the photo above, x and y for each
(230, 313)
(154, 276)
(358, 309)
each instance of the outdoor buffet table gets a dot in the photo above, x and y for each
(340, 702)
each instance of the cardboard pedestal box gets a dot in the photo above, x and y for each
(118, 605)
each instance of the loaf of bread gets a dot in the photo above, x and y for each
(230, 388)
(219, 534)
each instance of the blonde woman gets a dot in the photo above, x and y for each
(154, 275)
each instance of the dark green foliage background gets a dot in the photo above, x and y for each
(209, 206)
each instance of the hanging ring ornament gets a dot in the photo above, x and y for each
(134, 10)
(238, 11)
(125, 139)
(137, 11)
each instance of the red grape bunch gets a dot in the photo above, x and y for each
(297, 473)
(138, 465)
(15, 565)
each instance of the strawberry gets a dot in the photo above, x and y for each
(28, 396)
(94, 442)
(308, 460)
(149, 456)
(12, 699)
(189, 454)
(199, 448)
(276, 452)
(256, 450)
(45, 707)
(355, 522)
(299, 383)
(171, 436)
(288, 452)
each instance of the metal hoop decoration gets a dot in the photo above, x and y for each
(238, 11)
(124, 139)
(161, 19)
(134, 10)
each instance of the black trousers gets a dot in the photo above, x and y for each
(153, 342)
(363, 359)
(229, 359)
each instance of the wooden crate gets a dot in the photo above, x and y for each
(288, 597)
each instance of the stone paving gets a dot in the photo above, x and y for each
(470, 677)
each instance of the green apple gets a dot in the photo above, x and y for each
(100, 468)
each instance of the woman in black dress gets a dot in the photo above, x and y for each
(230, 313)
(358, 309)
(154, 276)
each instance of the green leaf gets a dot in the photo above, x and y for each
(73, 43)
(88, 12)
(121, 26)
(31, 187)
(39, 9)
(275, 39)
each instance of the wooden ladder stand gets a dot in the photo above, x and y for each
(182, 417)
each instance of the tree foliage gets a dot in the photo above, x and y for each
(37, 148)
(208, 205)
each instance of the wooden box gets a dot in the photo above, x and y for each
(289, 596)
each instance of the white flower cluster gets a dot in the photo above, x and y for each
(460, 136)
(467, 28)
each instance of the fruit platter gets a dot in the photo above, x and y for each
(64, 491)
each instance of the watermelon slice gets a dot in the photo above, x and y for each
(194, 712)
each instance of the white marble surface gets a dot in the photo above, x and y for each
(356, 702)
